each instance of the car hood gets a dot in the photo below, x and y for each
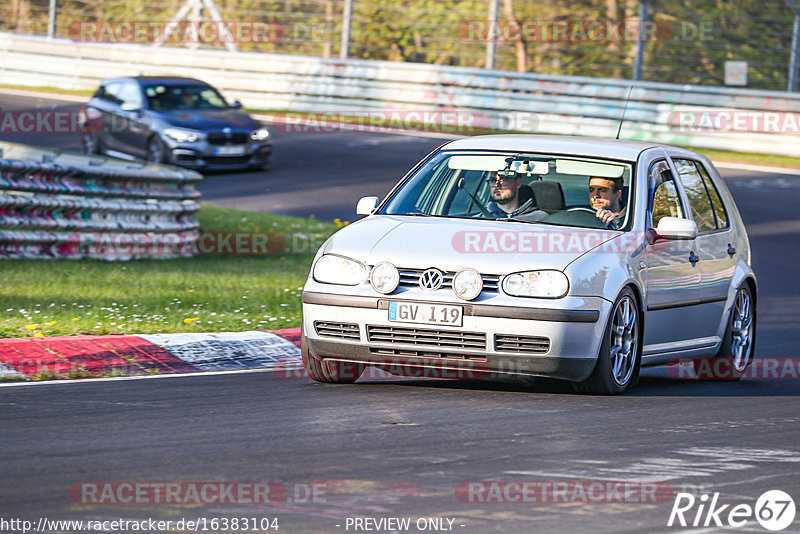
(491, 247)
(211, 120)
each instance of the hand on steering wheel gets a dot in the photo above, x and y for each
(610, 223)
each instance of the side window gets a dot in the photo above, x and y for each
(696, 192)
(130, 94)
(716, 201)
(110, 92)
(664, 201)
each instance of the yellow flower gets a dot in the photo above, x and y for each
(76, 319)
(191, 320)
(337, 222)
(191, 291)
(38, 334)
(32, 326)
(51, 323)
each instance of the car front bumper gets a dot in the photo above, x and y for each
(557, 339)
(201, 155)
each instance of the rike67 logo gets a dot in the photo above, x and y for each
(774, 510)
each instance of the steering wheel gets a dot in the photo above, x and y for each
(612, 224)
(577, 216)
(583, 209)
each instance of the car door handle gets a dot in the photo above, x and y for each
(731, 250)
(694, 258)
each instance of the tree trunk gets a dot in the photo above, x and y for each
(521, 45)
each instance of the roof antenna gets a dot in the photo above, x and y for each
(623, 112)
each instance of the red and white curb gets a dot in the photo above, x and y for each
(148, 354)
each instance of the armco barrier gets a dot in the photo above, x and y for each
(56, 204)
(557, 104)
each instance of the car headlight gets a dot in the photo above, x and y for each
(181, 135)
(260, 134)
(467, 284)
(333, 269)
(543, 284)
(384, 278)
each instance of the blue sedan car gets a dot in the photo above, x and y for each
(180, 121)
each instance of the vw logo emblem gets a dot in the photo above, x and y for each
(431, 280)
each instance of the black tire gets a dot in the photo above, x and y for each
(329, 371)
(738, 345)
(156, 150)
(613, 374)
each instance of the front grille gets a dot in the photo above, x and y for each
(219, 138)
(524, 344)
(405, 353)
(420, 336)
(340, 330)
(410, 277)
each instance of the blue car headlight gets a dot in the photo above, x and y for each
(259, 135)
(182, 135)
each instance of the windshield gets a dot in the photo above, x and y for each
(169, 97)
(526, 187)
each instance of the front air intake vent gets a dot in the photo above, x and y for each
(340, 330)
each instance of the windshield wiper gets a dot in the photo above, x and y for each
(511, 219)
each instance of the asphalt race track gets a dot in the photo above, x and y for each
(416, 448)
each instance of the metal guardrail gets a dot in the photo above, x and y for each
(56, 204)
(551, 104)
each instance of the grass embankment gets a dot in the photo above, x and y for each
(201, 294)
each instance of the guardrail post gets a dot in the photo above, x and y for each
(795, 56)
(491, 39)
(639, 61)
(51, 20)
(347, 22)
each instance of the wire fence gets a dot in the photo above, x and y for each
(746, 43)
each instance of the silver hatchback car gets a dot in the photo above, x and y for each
(573, 258)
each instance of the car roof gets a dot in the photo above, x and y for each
(555, 144)
(166, 80)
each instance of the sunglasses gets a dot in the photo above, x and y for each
(500, 179)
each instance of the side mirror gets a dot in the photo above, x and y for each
(130, 106)
(676, 228)
(366, 206)
(237, 105)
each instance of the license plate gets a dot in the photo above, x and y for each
(229, 150)
(440, 314)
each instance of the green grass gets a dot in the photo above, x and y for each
(201, 294)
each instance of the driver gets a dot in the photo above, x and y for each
(604, 196)
(504, 192)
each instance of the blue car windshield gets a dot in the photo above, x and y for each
(172, 97)
(529, 187)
